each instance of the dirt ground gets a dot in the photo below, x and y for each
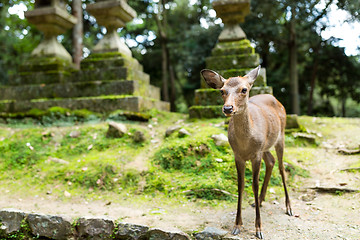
(316, 215)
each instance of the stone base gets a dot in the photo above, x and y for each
(106, 82)
(214, 111)
(102, 104)
(78, 89)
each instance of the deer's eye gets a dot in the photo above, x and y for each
(222, 92)
(244, 90)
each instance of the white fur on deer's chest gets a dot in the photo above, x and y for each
(244, 146)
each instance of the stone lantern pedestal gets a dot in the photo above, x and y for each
(232, 56)
(49, 62)
(110, 78)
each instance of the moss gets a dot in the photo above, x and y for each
(232, 61)
(128, 115)
(206, 112)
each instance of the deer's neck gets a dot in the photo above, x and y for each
(242, 123)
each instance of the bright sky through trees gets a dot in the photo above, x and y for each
(348, 32)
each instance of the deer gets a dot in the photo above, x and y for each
(256, 124)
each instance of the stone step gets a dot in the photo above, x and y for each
(79, 89)
(213, 111)
(209, 103)
(111, 73)
(209, 96)
(260, 80)
(99, 61)
(224, 49)
(48, 77)
(218, 63)
(102, 104)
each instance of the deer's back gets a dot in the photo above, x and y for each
(268, 116)
(267, 121)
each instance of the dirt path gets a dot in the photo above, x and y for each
(316, 216)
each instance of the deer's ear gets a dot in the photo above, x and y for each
(252, 75)
(213, 79)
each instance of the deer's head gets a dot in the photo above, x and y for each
(234, 90)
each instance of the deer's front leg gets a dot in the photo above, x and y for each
(240, 167)
(255, 185)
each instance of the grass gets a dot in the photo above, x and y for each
(92, 165)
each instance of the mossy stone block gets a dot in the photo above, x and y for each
(42, 64)
(101, 104)
(45, 77)
(232, 62)
(235, 44)
(207, 97)
(222, 51)
(112, 73)
(206, 112)
(73, 89)
(261, 90)
(292, 121)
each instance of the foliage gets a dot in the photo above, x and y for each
(82, 160)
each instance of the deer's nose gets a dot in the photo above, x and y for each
(228, 109)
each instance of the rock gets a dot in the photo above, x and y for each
(130, 231)
(74, 134)
(292, 121)
(158, 234)
(10, 220)
(95, 228)
(183, 132)
(179, 236)
(220, 139)
(116, 130)
(171, 130)
(138, 136)
(53, 227)
(210, 233)
(310, 138)
(57, 160)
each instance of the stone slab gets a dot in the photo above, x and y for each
(53, 227)
(103, 104)
(95, 228)
(11, 220)
(111, 73)
(78, 89)
(232, 61)
(206, 112)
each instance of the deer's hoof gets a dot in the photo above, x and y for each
(259, 235)
(289, 212)
(235, 231)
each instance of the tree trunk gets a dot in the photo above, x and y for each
(172, 87)
(77, 34)
(161, 22)
(343, 106)
(294, 84)
(312, 83)
(164, 67)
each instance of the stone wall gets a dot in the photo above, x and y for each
(15, 224)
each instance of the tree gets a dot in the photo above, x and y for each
(77, 33)
(181, 48)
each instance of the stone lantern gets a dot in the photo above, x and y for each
(232, 56)
(232, 12)
(50, 17)
(112, 14)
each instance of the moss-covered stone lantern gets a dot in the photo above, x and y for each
(232, 56)
(112, 14)
(50, 17)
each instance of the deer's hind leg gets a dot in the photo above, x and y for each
(269, 163)
(279, 148)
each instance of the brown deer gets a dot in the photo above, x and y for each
(256, 125)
